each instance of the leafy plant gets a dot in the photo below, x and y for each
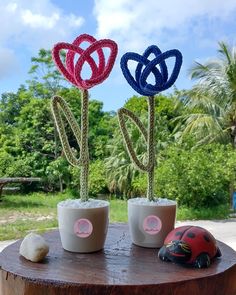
(195, 177)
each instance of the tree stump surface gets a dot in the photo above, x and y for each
(120, 268)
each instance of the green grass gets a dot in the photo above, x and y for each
(220, 212)
(118, 211)
(20, 214)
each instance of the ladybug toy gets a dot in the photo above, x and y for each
(192, 245)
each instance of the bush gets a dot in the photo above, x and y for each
(57, 175)
(97, 178)
(195, 178)
(139, 185)
(6, 161)
(19, 168)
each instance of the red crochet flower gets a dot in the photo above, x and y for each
(72, 70)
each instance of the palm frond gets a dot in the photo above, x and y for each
(224, 50)
(204, 127)
(198, 71)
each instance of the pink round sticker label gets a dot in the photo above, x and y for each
(83, 228)
(152, 224)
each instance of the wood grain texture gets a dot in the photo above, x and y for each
(121, 268)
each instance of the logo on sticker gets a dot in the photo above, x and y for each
(152, 224)
(83, 228)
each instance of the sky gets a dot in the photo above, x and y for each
(193, 26)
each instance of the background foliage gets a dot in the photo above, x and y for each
(195, 137)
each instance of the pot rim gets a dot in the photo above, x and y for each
(147, 203)
(71, 207)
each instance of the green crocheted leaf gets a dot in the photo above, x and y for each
(122, 113)
(59, 106)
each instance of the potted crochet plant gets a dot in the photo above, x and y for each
(150, 218)
(82, 222)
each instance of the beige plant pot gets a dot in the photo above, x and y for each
(150, 222)
(83, 225)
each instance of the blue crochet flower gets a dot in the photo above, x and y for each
(145, 67)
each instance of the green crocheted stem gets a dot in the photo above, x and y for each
(151, 147)
(149, 138)
(84, 154)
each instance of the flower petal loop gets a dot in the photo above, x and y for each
(157, 67)
(71, 55)
(164, 72)
(143, 61)
(72, 70)
(57, 59)
(101, 74)
(158, 60)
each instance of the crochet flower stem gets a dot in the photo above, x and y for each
(59, 105)
(71, 69)
(148, 135)
(151, 147)
(138, 82)
(84, 153)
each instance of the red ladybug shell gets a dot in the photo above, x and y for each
(199, 239)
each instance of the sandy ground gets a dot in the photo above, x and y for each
(223, 230)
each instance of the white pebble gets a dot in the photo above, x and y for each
(77, 203)
(34, 247)
(156, 202)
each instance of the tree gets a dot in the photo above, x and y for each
(46, 79)
(211, 104)
(27, 133)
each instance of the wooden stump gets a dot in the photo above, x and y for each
(121, 268)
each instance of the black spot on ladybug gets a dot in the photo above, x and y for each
(191, 235)
(178, 233)
(206, 238)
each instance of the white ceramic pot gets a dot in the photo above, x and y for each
(150, 222)
(83, 225)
